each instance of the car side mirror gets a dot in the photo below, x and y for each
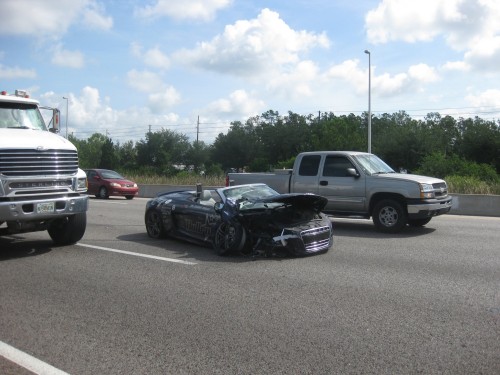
(218, 207)
(352, 172)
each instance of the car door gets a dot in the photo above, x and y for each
(92, 182)
(194, 220)
(345, 192)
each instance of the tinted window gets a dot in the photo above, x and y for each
(309, 165)
(336, 166)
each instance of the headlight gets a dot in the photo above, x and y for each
(135, 185)
(114, 184)
(426, 191)
(81, 184)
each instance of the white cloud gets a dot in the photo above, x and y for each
(423, 73)
(238, 105)
(257, 46)
(145, 81)
(49, 17)
(153, 57)
(186, 9)
(385, 84)
(297, 83)
(466, 25)
(67, 58)
(488, 98)
(456, 65)
(16, 72)
(93, 16)
(160, 101)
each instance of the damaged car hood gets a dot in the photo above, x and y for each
(316, 202)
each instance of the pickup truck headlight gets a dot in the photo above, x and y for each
(426, 191)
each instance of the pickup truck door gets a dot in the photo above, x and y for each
(345, 192)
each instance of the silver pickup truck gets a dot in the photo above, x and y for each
(359, 184)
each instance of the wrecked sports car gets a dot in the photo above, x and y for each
(248, 219)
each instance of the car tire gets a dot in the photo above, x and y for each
(229, 237)
(154, 225)
(129, 197)
(389, 216)
(103, 192)
(419, 222)
(68, 230)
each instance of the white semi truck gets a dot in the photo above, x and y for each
(41, 184)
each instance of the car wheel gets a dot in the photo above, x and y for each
(229, 237)
(419, 222)
(68, 230)
(103, 192)
(129, 197)
(154, 225)
(389, 216)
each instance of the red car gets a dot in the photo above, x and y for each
(104, 183)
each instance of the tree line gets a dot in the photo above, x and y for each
(271, 140)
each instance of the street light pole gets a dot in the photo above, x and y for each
(67, 101)
(369, 101)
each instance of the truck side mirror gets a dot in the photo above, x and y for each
(56, 118)
(352, 172)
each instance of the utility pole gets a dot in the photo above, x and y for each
(369, 101)
(67, 114)
(197, 129)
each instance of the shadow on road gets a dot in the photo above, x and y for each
(366, 229)
(17, 246)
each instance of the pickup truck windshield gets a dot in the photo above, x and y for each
(20, 116)
(373, 164)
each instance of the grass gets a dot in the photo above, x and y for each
(456, 184)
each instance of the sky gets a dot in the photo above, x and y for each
(127, 67)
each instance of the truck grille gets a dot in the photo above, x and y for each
(316, 239)
(28, 162)
(440, 190)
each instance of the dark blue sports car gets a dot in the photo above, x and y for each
(250, 219)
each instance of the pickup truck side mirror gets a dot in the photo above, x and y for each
(352, 172)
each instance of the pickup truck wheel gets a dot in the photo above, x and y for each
(154, 225)
(419, 222)
(389, 216)
(103, 192)
(229, 237)
(68, 230)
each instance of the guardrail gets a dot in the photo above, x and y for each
(463, 204)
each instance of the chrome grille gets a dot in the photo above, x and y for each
(29, 162)
(316, 239)
(440, 190)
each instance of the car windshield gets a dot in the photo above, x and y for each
(245, 194)
(111, 174)
(21, 116)
(373, 164)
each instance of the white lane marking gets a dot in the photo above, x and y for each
(137, 254)
(28, 362)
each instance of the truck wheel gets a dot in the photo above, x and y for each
(229, 237)
(68, 230)
(103, 192)
(154, 225)
(419, 222)
(389, 216)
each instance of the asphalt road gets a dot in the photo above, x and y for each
(423, 301)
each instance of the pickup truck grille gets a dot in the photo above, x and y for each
(440, 190)
(29, 162)
(316, 239)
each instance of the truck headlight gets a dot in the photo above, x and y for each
(82, 184)
(426, 191)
